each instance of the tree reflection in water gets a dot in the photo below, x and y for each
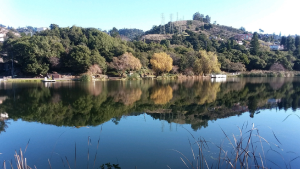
(193, 102)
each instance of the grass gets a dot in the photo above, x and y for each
(247, 151)
(270, 74)
(24, 80)
(32, 80)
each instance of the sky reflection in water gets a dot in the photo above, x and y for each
(140, 122)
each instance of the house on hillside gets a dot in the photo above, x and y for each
(239, 42)
(41, 29)
(276, 47)
(241, 37)
(2, 36)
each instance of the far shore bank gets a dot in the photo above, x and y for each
(257, 73)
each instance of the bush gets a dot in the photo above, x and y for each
(281, 74)
(134, 76)
(85, 78)
(113, 73)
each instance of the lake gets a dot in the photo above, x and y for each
(240, 122)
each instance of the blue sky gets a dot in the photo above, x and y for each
(269, 15)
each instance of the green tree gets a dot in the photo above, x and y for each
(208, 19)
(53, 26)
(165, 42)
(297, 41)
(254, 44)
(79, 59)
(96, 58)
(290, 44)
(283, 41)
(11, 35)
(243, 29)
(114, 32)
(297, 65)
(197, 16)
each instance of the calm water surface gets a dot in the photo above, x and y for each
(142, 124)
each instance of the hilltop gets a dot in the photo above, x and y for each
(215, 31)
(5, 31)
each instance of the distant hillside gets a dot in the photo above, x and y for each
(5, 31)
(131, 33)
(211, 30)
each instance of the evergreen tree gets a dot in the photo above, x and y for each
(207, 19)
(53, 26)
(297, 41)
(283, 41)
(254, 44)
(290, 44)
(242, 29)
(228, 45)
(114, 32)
(197, 16)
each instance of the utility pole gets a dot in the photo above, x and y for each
(171, 24)
(162, 24)
(12, 64)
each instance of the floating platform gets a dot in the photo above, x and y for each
(48, 80)
(218, 76)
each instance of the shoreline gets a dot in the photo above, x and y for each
(258, 73)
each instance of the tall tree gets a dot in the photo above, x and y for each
(197, 16)
(207, 63)
(242, 29)
(53, 26)
(114, 32)
(290, 44)
(297, 44)
(283, 41)
(297, 41)
(208, 19)
(79, 59)
(254, 44)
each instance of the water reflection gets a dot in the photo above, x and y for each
(161, 94)
(192, 101)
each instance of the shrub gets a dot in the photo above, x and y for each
(85, 78)
(134, 76)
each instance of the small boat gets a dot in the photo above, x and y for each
(48, 80)
(4, 115)
(218, 76)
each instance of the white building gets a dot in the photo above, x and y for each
(41, 29)
(2, 35)
(276, 47)
(239, 42)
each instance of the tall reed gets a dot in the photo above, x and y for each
(247, 151)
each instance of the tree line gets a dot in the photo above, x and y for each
(79, 50)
